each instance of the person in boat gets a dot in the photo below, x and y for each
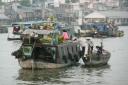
(99, 49)
(90, 46)
(31, 37)
(82, 47)
(65, 35)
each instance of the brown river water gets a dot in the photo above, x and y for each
(115, 73)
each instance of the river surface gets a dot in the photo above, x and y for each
(115, 73)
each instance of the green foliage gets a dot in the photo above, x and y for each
(25, 2)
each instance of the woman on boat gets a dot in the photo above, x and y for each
(65, 35)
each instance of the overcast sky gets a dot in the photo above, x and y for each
(7, 0)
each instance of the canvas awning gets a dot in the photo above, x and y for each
(95, 15)
(44, 32)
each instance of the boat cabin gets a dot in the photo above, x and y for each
(64, 53)
(49, 46)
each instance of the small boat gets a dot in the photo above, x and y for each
(47, 50)
(12, 34)
(97, 58)
(16, 29)
(100, 30)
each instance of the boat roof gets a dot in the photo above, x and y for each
(43, 32)
(31, 22)
(95, 15)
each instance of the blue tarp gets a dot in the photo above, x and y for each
(101, 27)
(87, 26)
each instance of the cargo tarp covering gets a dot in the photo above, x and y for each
(87, 26)
(45, 32)
(101, 27)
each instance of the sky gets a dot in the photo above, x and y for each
(7, 0)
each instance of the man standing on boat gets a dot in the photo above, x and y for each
(82, 47)
(86, 47)
(90, 46)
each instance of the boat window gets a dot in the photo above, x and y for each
(27, 26)
(45, 53)
(27, 50)
(14, 25)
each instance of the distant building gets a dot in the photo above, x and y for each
(119, 17)
(3, 19)
(123, 4)
(17, 12)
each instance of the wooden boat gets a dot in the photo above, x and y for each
(97, 59)
(99, 30)
(40, 54)
(16, 29)
(64, 56)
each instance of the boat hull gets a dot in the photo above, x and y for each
(32, 64)
(14, 38)
(100, 60)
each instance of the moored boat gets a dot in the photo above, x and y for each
(14, 33)
(17, 28)
(100, 29)
(46, 48)
(58, 56)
